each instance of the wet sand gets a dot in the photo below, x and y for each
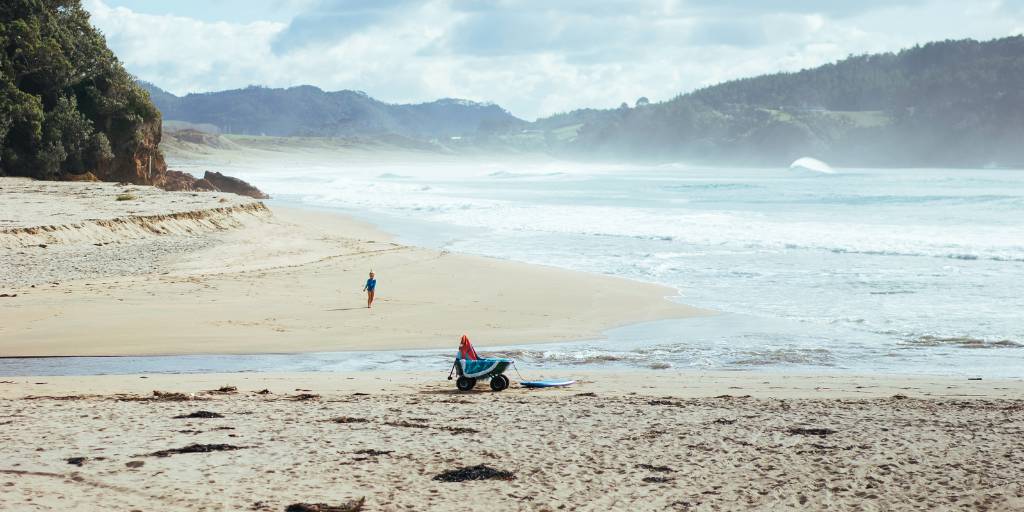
(616, 441)
(203, 278)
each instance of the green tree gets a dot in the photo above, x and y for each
(66, 103)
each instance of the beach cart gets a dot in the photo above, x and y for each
(471, 367)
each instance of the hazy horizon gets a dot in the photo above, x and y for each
(531, 58)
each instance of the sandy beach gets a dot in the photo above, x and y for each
(179, 273)
(616, 441)
(183, 273)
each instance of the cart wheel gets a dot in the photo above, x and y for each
(465, 383)
(499, 382)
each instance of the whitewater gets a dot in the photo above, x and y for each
(864, 270)
(915, 270)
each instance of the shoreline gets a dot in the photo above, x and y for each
(273, 282)
(687, 384)
(618, 439)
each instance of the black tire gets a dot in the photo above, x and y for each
(499, 383)
(465, 383)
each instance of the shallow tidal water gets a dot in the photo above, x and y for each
(866, 270)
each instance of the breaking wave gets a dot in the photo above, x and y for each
(961, 342)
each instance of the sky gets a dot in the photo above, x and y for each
(533, 57)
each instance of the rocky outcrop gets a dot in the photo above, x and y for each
(211, 182)
(176, 181)
(138, 160)
(233, 185)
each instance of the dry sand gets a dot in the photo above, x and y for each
(210, 277)
(616, 441)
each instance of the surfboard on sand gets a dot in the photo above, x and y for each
(552, 383)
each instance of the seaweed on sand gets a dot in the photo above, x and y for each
(801, 431)
(658, 479)
(665, 402)
(373, 452)
(196, 448)
(479, 472)
(453, 430)
(159, 396)
(199, 414)
(170, 396)
(352, 506)
(348, 419)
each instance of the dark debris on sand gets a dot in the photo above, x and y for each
(63, 397)
(723, 421)
(665, 402)
(77, 461)
(348, 419)
(650, 434)
(659, 469)
(352, 506)
(170, 396)
(658, 479)
(373, 452)
(199, 414)
(224, 390)
(453, 430)
(196, 448)
(160, 396)
(306, 396)
(479, 472)
(801, 431)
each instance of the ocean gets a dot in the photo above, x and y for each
(864, 270)
(897, 270)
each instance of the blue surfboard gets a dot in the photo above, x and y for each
(553, 383)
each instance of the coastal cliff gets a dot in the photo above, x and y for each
(69, 110)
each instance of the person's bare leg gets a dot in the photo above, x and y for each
(369, 299)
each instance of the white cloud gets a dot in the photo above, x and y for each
(533, 57)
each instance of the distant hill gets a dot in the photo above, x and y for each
(951, 103)
(308, 111)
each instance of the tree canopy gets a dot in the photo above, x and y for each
(67, 106)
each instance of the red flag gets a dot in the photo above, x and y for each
(466, 350)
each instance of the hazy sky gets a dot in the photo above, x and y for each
(533, 57)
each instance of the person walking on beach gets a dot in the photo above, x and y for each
(371, 284)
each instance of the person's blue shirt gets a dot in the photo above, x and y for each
(371, 284)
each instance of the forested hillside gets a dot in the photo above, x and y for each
(951, 103)
(67, 106)
(308, 111)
